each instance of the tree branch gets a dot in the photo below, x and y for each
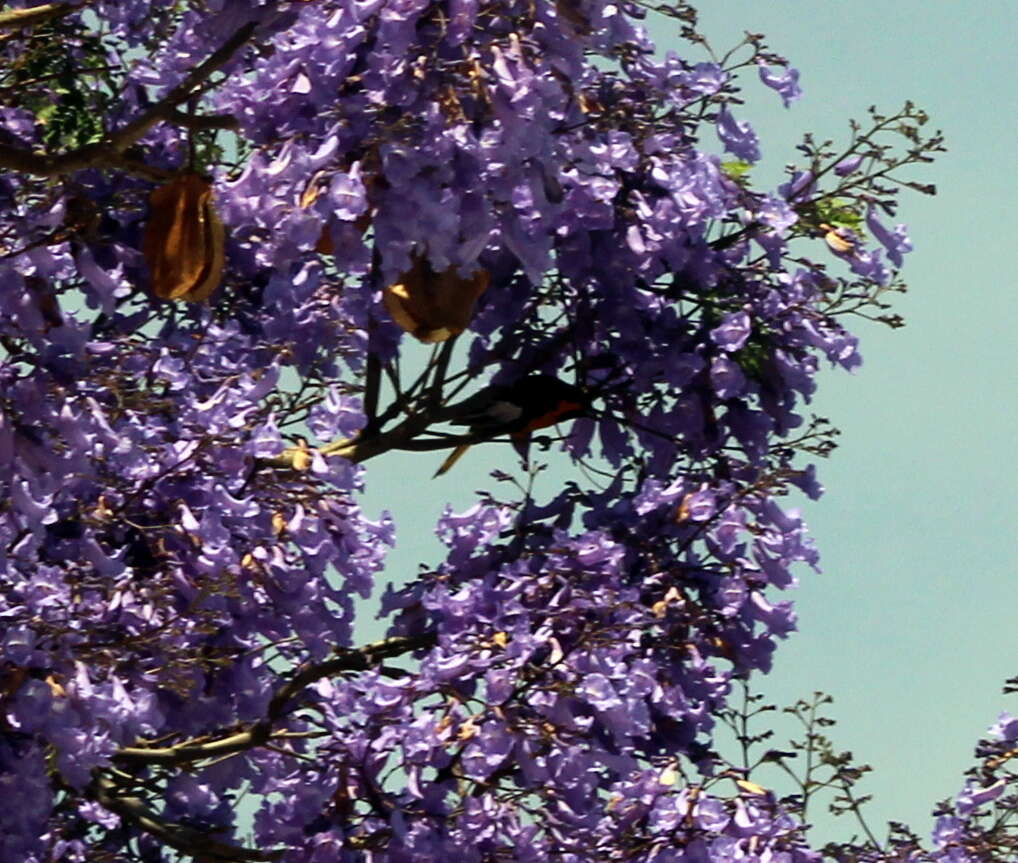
(346, 659)
(110, 152)
(163, 110)
(367, 445)
(728, 240)
(187, 840)
(372, 384)
(15, 19)
(434, 397)
(360, 450)
(356, 449)
(357, 659)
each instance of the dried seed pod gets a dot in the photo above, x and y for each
(184, 243)
(432, 306)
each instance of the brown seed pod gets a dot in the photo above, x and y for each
(184, 242)
(432, 306)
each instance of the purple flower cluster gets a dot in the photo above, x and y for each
(180, 564)
(570, 671)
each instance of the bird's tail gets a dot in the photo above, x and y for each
(451, 459)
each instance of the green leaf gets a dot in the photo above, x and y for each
(735, 169)
(755, 356)
(840, 213)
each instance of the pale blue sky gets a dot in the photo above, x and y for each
(912, 625)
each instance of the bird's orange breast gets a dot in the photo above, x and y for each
(562, 410)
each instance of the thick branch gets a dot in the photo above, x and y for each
(137, 168)
(403, 437)
(163, 110)
(359, 659)
(15, 19)
(357, 449)
(44, 165)
(187, 840)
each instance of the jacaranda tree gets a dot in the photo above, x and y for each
(226, 228)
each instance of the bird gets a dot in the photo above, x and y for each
(517, 409)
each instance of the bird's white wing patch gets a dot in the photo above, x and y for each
(503, 413)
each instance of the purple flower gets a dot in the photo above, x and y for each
(948, 831)
(785, 82)
(849, 165)
(1005, 728)
(727, 378)
(733, 331)
(337, 416)
(972, 797)
(807, 481)
(700, 504)
(739, 138)
(777, 214)
(346, 194)
(18, 646)
(800, 185)
(597, 689)
(487, 750)
(895, 241)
